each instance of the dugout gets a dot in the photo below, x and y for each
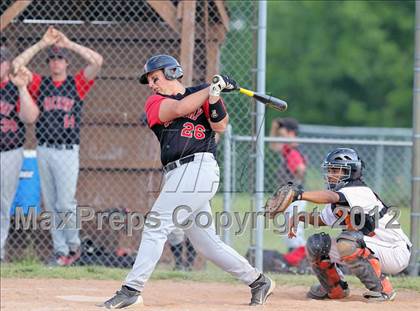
(119, 156)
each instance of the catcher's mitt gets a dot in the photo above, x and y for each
(282, 198)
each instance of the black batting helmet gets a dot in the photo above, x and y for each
(170, 66)
(349, 163)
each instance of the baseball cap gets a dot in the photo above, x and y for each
(57, 52)
(5, 54)
(290, 124)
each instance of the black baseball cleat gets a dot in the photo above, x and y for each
(261, 289)
(123, 298)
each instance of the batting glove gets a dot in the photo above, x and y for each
(217, 85)
(231, 84)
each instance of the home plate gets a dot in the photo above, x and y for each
(79, 298)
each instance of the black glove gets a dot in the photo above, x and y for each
(231, 84)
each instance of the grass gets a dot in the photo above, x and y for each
(241, 203)
(32, 270)
(275, 241)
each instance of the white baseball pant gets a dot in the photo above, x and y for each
(11, 163)
(192, 185)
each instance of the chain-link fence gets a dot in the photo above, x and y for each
(117, 170)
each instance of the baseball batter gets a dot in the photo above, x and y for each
(371, 243)
(185, 121)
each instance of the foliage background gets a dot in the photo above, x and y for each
(347, 63)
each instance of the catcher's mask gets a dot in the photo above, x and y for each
(341, 166)
(170, 66)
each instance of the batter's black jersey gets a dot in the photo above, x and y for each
(12, 129)
(61, 112)
(182, 136)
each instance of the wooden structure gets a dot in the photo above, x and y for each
(119, 159)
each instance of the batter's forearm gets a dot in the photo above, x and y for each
(191, 102)
(220, 127)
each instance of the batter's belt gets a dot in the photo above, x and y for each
(187, 159)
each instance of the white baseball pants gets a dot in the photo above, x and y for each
(11, 163)
(191, 185)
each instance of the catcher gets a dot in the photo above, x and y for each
(371, 243)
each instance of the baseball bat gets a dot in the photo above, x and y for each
(268, 100)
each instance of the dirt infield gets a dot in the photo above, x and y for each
(56, 294)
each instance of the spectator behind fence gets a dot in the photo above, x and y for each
(60, 102)
(16, 108)
(293, 169)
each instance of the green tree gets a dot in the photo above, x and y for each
(342, 62)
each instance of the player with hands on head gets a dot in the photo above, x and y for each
(60, 100)
(16, 108)
(371, 243)
(185, 120)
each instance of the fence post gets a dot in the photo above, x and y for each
(259, 182)
(415, 196)
(379, 166)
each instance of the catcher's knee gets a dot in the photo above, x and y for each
(350, 244)
(318, 246)
(360, 259)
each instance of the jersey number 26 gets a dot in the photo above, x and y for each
(189, 130)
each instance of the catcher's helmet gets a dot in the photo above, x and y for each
(170, 66)
(347, 164)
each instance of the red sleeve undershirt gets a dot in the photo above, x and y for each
(152, 107)
(82, 84)
(206, 108)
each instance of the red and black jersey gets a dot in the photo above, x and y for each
(60, 104)
(12, 129)
(182, 136)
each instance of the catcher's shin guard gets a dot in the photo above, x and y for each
(332, 284)
(364, 265)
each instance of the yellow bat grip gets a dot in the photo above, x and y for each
(246, 92)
